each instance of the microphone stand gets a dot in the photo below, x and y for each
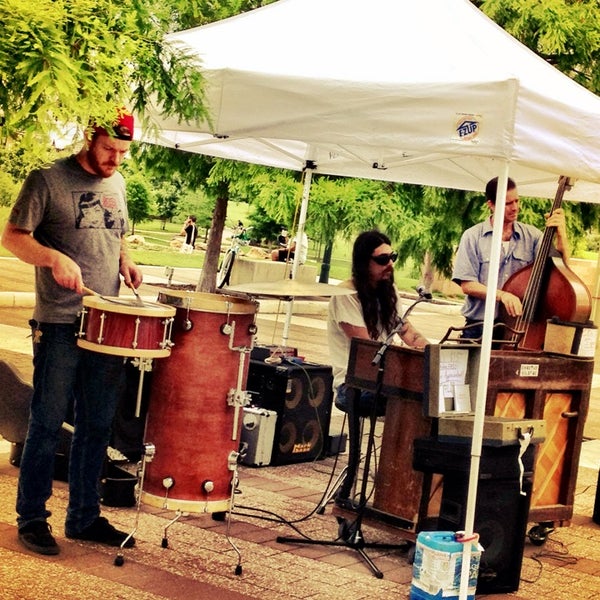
(352, 536)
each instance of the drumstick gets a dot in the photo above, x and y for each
(138, 299)
(89, 292)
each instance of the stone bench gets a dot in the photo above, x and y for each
(246, 270)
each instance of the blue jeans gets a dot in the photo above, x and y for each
(66, 376)
(473, 331)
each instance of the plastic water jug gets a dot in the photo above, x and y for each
(437, 567)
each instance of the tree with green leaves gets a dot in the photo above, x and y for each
(62, 63)
(565, 33)
(138, 200)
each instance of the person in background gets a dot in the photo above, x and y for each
(282, 238)
(288, 252)
(190, 230)
(373, 313)
(46, 228)
(519, 247)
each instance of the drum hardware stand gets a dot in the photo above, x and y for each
(207, 487)
(148, 454)
(144, 364)
(233, 466)
(237, 397)
(178, 515)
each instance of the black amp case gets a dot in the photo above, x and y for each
(301, 395)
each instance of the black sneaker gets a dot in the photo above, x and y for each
(103, 532)
(37, 537)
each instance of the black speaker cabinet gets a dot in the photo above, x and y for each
(501, 522)
(301, 395)
(501, 511)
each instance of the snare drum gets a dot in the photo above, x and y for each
(121, 327)
(190, 421)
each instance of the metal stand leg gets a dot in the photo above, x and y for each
(332, 491)
(148, 455)
(234, 486)
(165, 541)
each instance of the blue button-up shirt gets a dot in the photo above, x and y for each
(473, 259)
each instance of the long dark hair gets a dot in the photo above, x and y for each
(379, 303)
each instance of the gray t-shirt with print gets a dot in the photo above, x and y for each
(81, 215)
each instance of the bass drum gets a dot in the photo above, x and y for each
(190, 422)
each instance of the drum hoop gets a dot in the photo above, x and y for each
(193, 506)
(123, 350)
(204, 302)
(114, 305)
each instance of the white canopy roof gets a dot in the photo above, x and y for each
(417, 91)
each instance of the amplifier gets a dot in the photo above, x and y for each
(301, 395)
(258, 433)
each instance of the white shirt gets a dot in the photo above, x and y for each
(303, 250)
(346, 309)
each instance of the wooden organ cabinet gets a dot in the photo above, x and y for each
(521, 385)
(556, 389)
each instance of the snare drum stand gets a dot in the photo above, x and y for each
(351, 533)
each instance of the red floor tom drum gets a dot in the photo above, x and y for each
(189, 421)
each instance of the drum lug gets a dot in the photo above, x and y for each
(149, 452)
(167, 332)
(81, 332)
(237, 397)
(232, 460)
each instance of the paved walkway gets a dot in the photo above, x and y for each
(200, 562)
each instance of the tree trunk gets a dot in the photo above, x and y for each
(208, 278)
(326, 264)
(427, 274)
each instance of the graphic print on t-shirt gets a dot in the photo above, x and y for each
(98, 211)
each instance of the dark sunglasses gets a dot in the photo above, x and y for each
(384, 259)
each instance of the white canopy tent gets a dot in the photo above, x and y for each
(379, 90)
(418, 91)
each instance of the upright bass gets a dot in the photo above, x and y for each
(547, 288)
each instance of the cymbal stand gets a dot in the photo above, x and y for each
(352, 534)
